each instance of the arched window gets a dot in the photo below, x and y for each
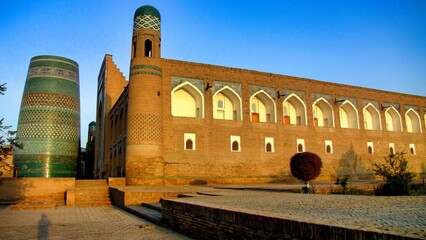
(348, 115)
(412, 151)
(393, 120)
(299, 148)
(294, 110)
(370, 150)
(134, 41)
(235, 143)
(268, 147)
(269, 144)
(371, 118)
(117, 127)
(328, 149)
(188, 144)
(148, 48)
(370, 147)
(187, 101)
(392, 148)
(235, 146)
(263, 107)
(189, 141)
(328, 146)
(112, 129)
(323, 113)
(412, 120)
(227, 105)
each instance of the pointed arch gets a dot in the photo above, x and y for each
(393, 120)
(371, 117)
(187, 101)
(262, 108)
(412, 121)
(294, 110)
(323, 113)
(348, 115)
(227, 104)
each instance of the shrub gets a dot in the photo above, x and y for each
(396, 174)
(305, 166)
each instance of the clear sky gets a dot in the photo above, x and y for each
(378, 44)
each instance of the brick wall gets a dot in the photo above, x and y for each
(36, 189)
(203, 222)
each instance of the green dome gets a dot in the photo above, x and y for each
(147, 10)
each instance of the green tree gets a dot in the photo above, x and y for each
(305, 166)
(396, 174)
(7, 140)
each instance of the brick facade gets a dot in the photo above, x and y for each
(156, 140)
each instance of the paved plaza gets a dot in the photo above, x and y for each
(78, 223)
(403, 215)
(400, 215)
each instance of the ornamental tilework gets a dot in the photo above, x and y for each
(49, 119)
(147, 21)
(51, 100)
(54, 72)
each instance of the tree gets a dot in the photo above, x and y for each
(305, 166)
(396, 174)
(7, 139)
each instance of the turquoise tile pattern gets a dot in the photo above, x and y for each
(147, 17)
(49, 119)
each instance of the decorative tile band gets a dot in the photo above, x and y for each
(146, 66)
(147, 21)
(146, 72)
(56, 72)
(50, 100)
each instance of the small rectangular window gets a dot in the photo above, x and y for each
(391, 148)
(300, 145)
(328, 146)
(235, 144)
(189, 141)
(412, 149)
(269, 144)
(370, 147)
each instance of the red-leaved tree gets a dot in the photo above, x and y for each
(305, 166)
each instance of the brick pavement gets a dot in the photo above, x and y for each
(78, 223)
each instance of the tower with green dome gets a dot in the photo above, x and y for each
(144, 154)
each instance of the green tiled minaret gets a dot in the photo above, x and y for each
(49, 119)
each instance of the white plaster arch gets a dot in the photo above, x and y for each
(265, 107)
(348, 115)
(187, 101)
(229, 113)
(393, 120)
(296, 110)
(323, 113)
(412, 121)
(371, 117)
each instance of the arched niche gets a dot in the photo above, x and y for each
(227, 105)
(294, 110)
(187, 101)
(323, 113)
(393, 120)
(371, 117)
(262, 107)
(348, 115)
(412, 121)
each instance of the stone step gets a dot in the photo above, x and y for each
(91, 183)
(31, 205)
(154, 206)
(147, 213)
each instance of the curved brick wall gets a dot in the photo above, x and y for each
(49, 119)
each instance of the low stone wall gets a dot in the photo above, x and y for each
(123, 196)
(204, 222)
(36, 189)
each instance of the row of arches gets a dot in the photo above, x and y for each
(188, 101)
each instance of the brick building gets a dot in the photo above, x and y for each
(177, 122)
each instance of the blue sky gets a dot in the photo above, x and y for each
(378, 44)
